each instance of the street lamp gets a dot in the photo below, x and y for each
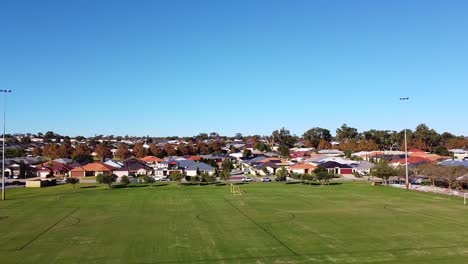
(404, 99)
(5, 92)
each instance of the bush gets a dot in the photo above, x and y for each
(106, 179)
(148, 179)
(125, 180)
(72, 181)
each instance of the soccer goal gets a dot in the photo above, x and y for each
(235, 189)
(465, 198)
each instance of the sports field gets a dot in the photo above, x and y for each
(269, 223)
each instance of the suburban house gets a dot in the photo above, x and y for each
(414, 161)
(460, 153)
(114, 163)
(152, 161)
(165, 168)
(454, 163)
(363, 167)
(133, 169)
(191, 168)
(269, 167)
(337, 168)
(91, 169)
(302, 168)
(57, 169)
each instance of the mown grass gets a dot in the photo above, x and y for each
(269, 223)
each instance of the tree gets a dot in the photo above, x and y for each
(283, 137)
(37, 151)
(433, 172)
(25, 140)
(349, 145)
(124, 180)
(442, 151)
(51, 150)
(182, 149)
(428, 136)
(215, 146)
(106, 179)
(176, 176)
(383, 170)
(102, 152)
(203, 148)
(281, 174)
(246, 153)
(205, 177)
(262, 146)
(83, 159)
(65, 150)
(315, 135)
(345, 133)
(156, 151)
(170, 150)
(148, 179)
(72, 181)
(450, 174)
(323, 144)
(284, 151)
(139, 151)
(122, 152)
(322, 174)
(81, 150)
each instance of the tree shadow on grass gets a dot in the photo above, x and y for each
(122, 186)
(88, 187)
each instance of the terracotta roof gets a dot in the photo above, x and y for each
(56, 166)
(302, 166)
(149, 159)
(411, 160)
(195, 158)
(97, 166)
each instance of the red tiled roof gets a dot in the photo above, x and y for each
(195, 158)
(149, 159)
(302, 166)
(56, 166)
(97, 166)
(411, 160)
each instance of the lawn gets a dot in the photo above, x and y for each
(269, 223)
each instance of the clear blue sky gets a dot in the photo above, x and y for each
(182, 67)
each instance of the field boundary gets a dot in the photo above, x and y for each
(42, 233)
(261, 227)
(325, 255)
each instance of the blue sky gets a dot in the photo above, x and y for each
(179, 67)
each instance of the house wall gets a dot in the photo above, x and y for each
(121, 173)
(299, 171)
(77, 174)
(194, 172)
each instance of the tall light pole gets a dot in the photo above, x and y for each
(404, 99)
(5, 92)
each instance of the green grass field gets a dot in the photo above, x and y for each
(269, 223)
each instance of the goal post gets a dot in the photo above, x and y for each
(235, 189)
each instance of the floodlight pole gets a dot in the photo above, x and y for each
(3, 148)
(406, 149)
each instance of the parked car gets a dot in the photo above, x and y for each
(247, 179)
(160, 178)
(266, 179)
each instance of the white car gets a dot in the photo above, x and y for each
(160, 178)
